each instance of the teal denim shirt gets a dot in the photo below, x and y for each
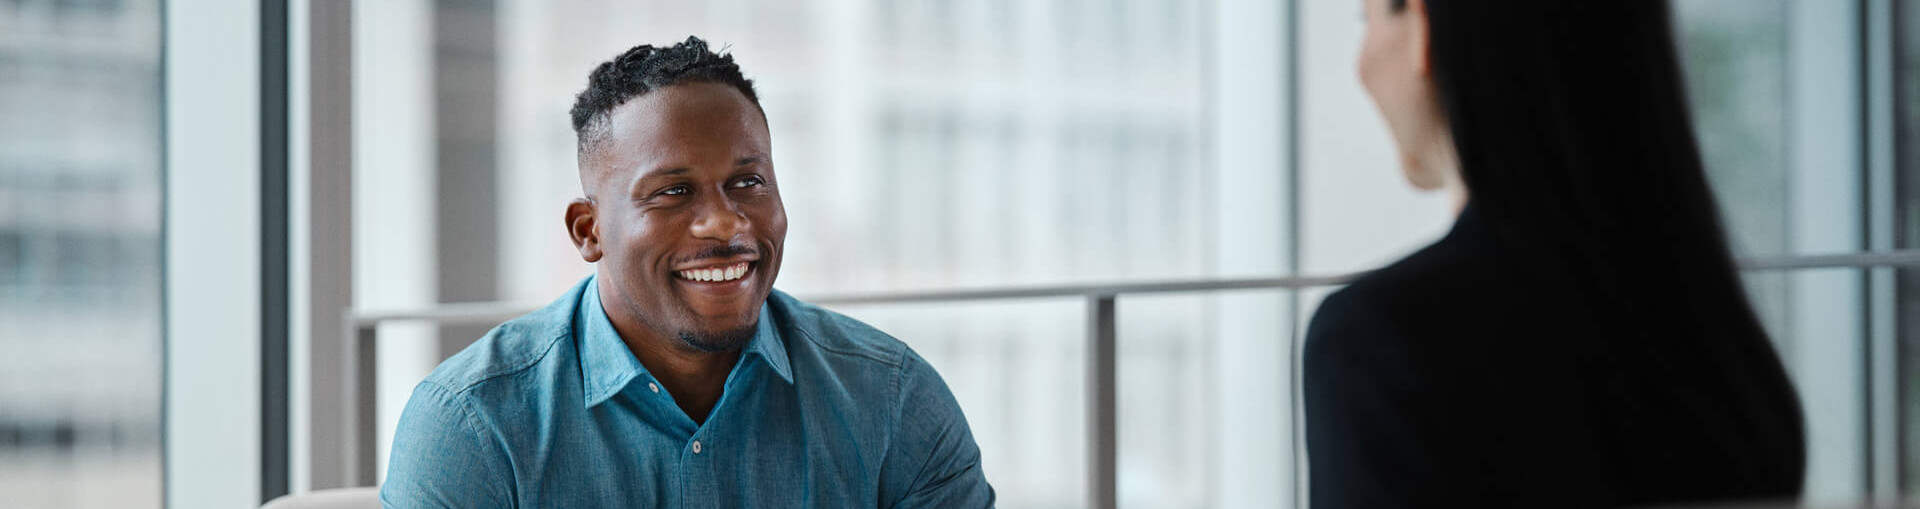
(552, 410)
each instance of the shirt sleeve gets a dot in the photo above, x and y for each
(933, 461)
(443, 458)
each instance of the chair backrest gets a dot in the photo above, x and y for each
(346, 498)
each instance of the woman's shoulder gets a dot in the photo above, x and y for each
(1438, 273)
(1445, 289)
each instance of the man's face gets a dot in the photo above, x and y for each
(685, 209)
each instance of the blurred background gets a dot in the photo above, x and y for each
(195, 195)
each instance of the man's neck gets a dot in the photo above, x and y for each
(696, 379)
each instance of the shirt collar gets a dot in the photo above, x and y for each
(768, 345)
(607, 366)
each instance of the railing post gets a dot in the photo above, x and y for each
(360, 410)
(328, 241)
(1102, 445)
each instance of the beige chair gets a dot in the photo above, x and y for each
(347, 498)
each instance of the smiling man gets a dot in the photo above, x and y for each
(676, 376)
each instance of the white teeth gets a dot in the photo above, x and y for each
(720, 274)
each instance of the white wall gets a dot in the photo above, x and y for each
(1252, 208)
(393, 194)
(212, 407)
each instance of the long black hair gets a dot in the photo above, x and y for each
(1574, 138)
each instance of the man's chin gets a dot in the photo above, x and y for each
(719, 310)
(717, 326)
(719, 341)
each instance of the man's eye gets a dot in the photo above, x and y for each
(747, 182)
(675, 191)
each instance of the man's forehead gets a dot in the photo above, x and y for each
(686, 109)
(673, 122)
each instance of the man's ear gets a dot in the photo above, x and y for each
(584, 227)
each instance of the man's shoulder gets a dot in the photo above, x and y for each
(864, 361)
(834, 334)
(509, 349)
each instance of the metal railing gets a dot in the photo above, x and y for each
(1102, 334)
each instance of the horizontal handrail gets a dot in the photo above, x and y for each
(495, 312)
(1102, 335)
(1862, 260)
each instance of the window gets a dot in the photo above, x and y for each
(920, 145)
(981, 144)
(80, 180)
(1906, 82)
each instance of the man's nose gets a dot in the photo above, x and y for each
(720, 218)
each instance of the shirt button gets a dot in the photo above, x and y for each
(654, 386)
(696, 447)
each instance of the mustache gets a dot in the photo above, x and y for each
(722, 251)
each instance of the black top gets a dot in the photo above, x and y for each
(1453, 378)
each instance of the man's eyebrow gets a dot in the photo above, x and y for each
(665, 171)
(752, 159)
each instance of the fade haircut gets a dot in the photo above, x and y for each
(644, 69)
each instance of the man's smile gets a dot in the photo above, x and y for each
(724, 278)
(716, 273)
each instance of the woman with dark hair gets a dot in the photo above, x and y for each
(1580, 338)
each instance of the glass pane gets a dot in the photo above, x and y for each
(1907, 221)
(1907, 149)
(1018, 369)
(1735, 55)
(918, 145)
(1204, 402)
(1817, 321)
(1907, 330)
(1198, 381)
(1165, 408)
(80, 243)
(1357, 212)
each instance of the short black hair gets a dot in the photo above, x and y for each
(645, 68)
